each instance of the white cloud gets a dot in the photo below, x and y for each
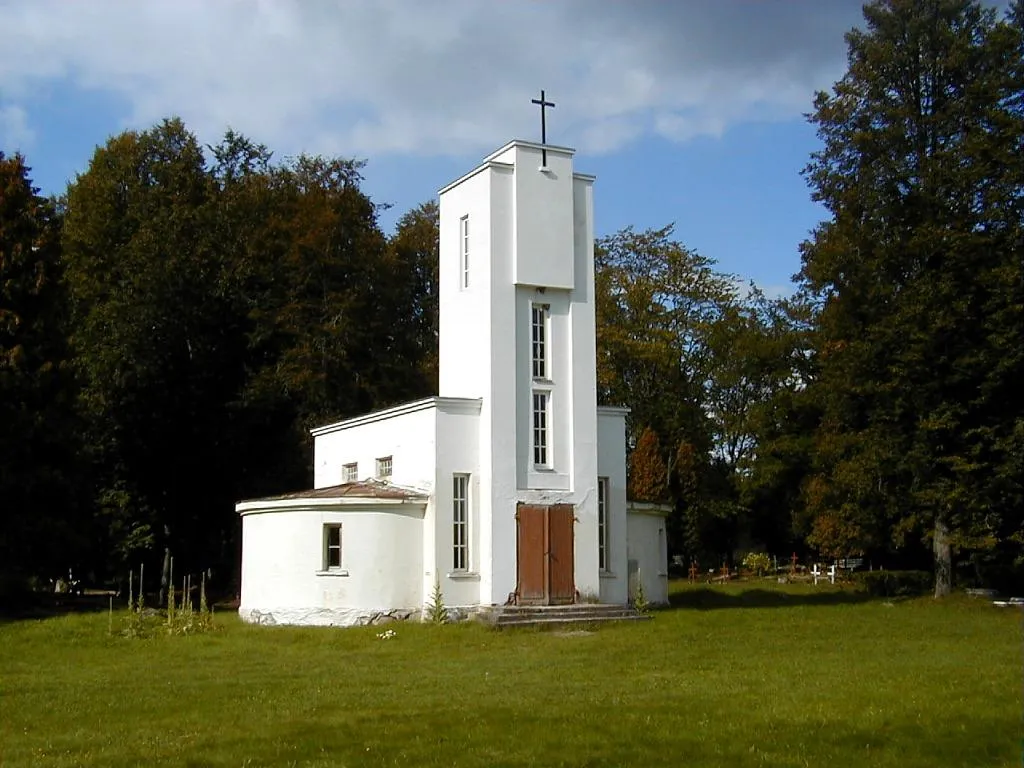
(369, 77)
(15, 133)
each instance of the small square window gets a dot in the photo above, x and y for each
(384, 466)
(332, 546)
(349, 472)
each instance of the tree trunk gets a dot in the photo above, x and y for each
(943, 558)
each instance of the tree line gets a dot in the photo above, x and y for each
(172, 325)
(878, 411)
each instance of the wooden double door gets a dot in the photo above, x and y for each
(544, 554)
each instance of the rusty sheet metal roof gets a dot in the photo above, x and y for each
(361, 489)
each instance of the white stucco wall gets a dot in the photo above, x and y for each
(648, 549)
(464, 327)
(458, 432)
(585, 464)
(283, 557)
(543, 235)
(499, 414)
(611, 463)
(558, 386)
(406, 433)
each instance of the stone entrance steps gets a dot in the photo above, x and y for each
(551, 615)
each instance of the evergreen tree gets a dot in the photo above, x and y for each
(917, 277)
(37, 427)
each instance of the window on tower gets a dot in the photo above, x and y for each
(541, 420)
(539, 340)
(464, 252)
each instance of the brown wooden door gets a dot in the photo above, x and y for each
(531, 547)
(561, 584)
(544, 554)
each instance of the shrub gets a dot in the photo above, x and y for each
(437, 611)
(895, 583)
(758, 562)
(640, 603)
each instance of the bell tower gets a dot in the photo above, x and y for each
(517, 330)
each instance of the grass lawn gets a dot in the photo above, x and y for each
(732, 676)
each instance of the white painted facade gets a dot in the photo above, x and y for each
(516, 417)
(647, 553)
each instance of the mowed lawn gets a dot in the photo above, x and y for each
(734, 676)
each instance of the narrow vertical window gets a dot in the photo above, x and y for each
(539, 340)
(464, 252)
(349, 472)
(540, 428)
(332, 547)
(460, 522)
(384, 467)
(602, 523)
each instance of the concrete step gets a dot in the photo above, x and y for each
(526, 615)
(566, 622)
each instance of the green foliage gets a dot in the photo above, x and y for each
(655, 301)
(640, 603)
(179, 618)
(895, 583)
(835, 536)
(696, 361)
(757, 562)
(220, 310)
(414, 256)
(182, 618)
(436, 610)
(37, 426)
(140, 621)
(916, 281)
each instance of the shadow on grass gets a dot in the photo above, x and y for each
(43, 605)
(707, 598)
(46, 605)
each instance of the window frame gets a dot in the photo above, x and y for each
(460, 522)
(350, 472)
(540, 434)
(329, 547)
(603, 529)
(540, 341)
(464, 252)
(384, 463)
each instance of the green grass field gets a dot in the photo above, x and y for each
(730, 677)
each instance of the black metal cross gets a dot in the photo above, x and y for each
(543, 104)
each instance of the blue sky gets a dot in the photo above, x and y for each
(689, 111)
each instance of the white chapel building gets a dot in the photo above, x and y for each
(509, 487)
